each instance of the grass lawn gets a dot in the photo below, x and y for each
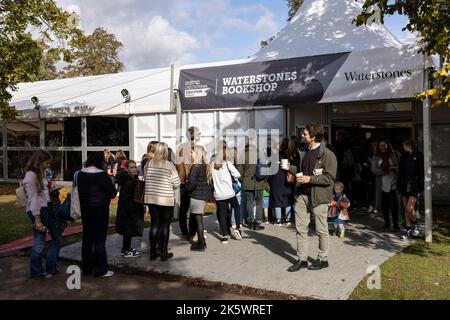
(15, 224)
(420, 271)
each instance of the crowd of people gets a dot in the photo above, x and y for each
(165, 183)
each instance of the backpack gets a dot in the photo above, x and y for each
(258, 171)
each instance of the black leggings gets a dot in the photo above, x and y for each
(182, 216)
(223, 214)
(126, 244)
(389, 202)
(200, 228)
(161, 216)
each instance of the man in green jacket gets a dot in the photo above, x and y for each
(314, 192)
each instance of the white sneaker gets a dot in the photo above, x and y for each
(415, 231)
(224, 240)
(278, 223)
(237, 234)
(288, 223)
(108, 274)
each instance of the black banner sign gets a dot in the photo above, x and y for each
(277, 82)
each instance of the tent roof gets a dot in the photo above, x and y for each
(100, 95)
(324, 27)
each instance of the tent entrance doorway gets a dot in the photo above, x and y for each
(362, 136)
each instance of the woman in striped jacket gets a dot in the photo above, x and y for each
(161, 178)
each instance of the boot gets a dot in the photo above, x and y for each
(199, 246)
(256, 226)
(165, 255)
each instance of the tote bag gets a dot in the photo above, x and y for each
(75, 211)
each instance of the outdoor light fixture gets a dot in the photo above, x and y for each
(126, 95)
(35, 101)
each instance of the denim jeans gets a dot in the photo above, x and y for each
(287, 213)
(254, 203)
(36, 268)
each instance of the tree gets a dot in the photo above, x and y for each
(47, 66)
(430, 19)
(20, 53)
(95, 54)
(293, 5)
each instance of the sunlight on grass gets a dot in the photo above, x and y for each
(420, 271)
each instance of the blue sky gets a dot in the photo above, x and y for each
(156, 33)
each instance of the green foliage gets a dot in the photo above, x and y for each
(94, 55)
(431, 20)
(293, 5)
(20, 54)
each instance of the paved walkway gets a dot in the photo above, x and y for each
(260, 260)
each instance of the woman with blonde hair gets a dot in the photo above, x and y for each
(224, 172)
(38, 197)
(199, 188)
(161, 178)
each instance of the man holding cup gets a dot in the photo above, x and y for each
(315, 175)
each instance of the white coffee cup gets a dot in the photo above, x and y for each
(284, 163)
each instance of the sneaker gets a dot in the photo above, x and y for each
(288, 223)
(237, 234)
(407, 234)
(415, 230)
(108, 274)
(233, 226)
(224, 240)
(136, 253)
(198, 247)
(342, 234)
(278, 223)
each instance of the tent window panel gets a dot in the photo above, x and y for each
(270, 119)
(440, 144)
(145, 125)
(168, 125)
(107, 131)
(72, 132)
(233, 120)
(23, 134)
(374, 107)
(54, 131)
(204, 121)
(17, 161)
(72, 161)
